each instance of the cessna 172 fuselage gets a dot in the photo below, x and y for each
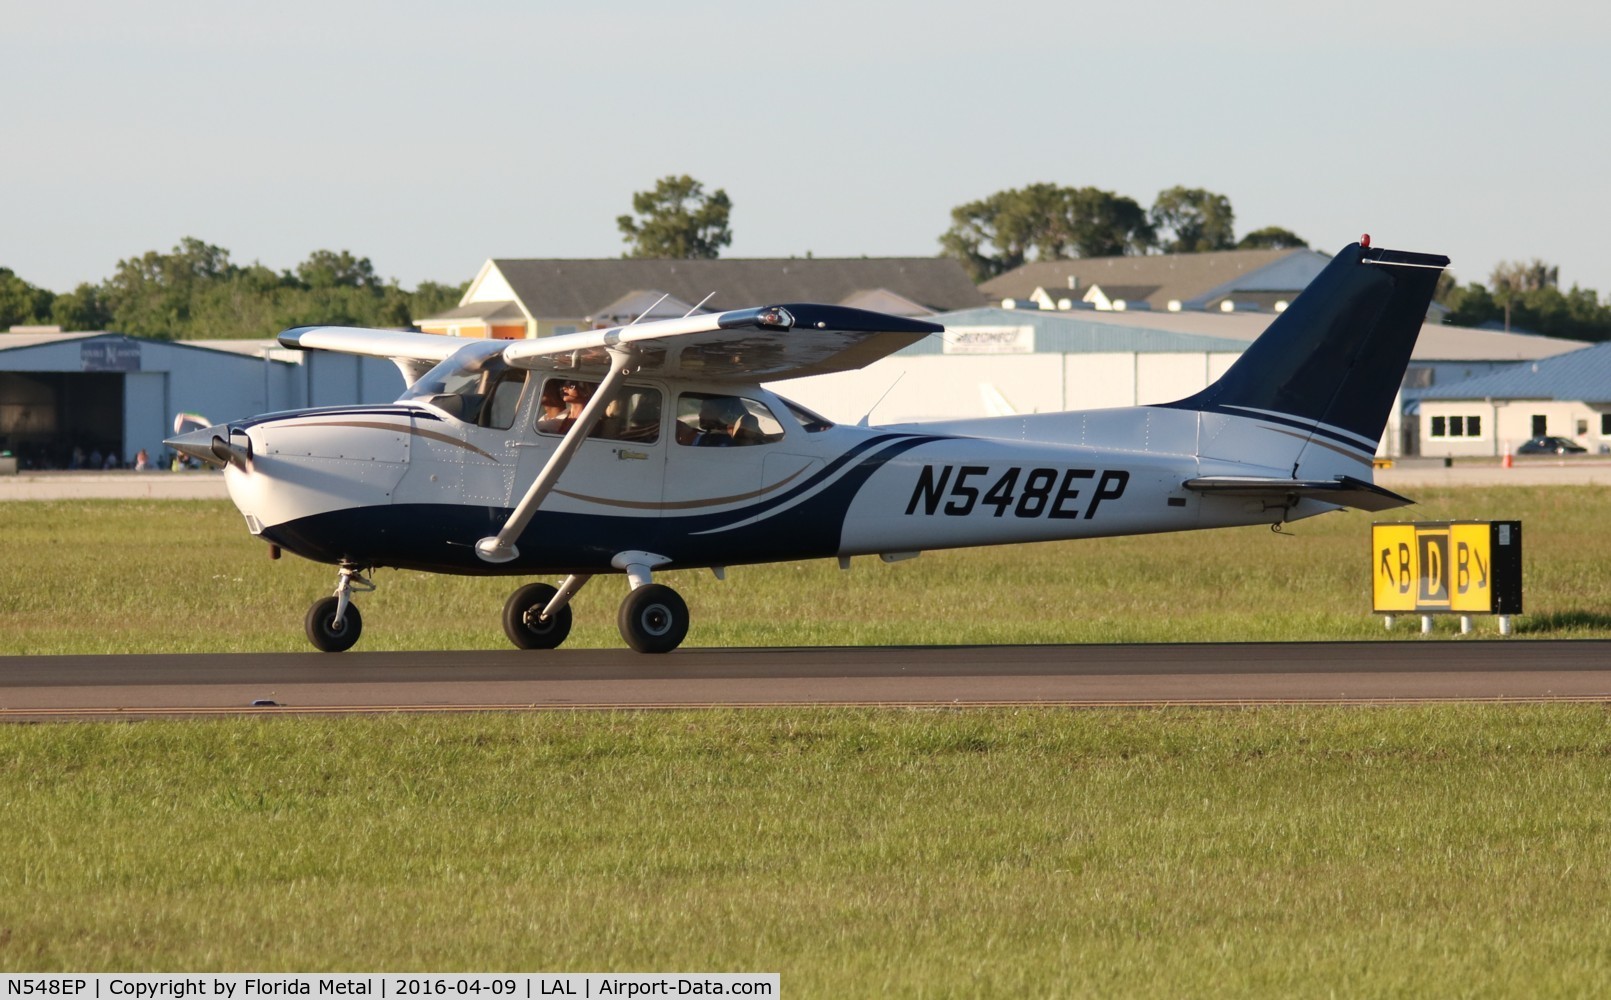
(657, 447)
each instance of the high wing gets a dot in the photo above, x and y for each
(741, 345)
(413, 353)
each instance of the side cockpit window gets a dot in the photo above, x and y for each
(713, 420)
(633, 416)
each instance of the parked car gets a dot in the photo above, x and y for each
(1550, 446)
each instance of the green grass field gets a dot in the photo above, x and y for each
(1450, 851)
(1436, 851)
(176, 576)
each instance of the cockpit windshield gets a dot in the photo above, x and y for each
(475, 385)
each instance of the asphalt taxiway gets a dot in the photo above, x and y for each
(1407, 670)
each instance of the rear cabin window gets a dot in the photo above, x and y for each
(713, 420)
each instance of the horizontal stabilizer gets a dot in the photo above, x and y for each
(1344, 491)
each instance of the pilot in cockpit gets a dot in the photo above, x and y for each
(551, 418)
(575, 395)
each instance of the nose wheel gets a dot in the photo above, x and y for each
(333, 623)
(328, 632)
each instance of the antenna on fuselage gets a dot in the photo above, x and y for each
(865, 417)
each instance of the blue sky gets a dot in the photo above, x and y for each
(430, 136)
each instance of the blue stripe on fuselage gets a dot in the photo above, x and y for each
(440, 537)
(336, 411)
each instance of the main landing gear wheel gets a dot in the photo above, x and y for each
(325, 632)
(522, 622)
(653, 619)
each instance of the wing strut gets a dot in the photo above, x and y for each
(500, 548)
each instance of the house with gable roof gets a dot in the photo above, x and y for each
(1226, 281)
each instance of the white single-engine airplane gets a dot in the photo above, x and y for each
(655, 447)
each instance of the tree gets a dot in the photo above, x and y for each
(1514, 279)
(432, 297)
(83, 308)
(21, 303)
(1104, 224)
(1272, 238)
(1469, 304)
(997, 233)
(1043, 222)
(329, 269)
(677, 220)
(152, 295)
(1527, 296)
(1196, 220)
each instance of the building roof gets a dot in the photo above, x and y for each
(1583, 375)
(1192, 279)
(569, 289)
(1120, 293)
(488, 311)
(244, 348)
(12, 341)
(1467, 343)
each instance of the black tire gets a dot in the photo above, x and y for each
(320, 625)
(653, 619)
(524, 628)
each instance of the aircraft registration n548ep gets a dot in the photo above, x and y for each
(656, 446)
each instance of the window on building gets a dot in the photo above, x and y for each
(1540, 425)
(1467, 426)
(1605, 425)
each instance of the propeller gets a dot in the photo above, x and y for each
(216, 445)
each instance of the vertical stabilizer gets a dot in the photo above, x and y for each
(1332, 363)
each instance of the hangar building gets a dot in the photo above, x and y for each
(116, 394)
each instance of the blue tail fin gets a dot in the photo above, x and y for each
(1336, 357)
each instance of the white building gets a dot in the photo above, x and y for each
(1567, 396)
